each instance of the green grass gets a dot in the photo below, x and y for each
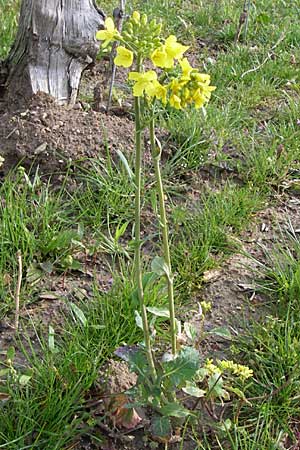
(249, 133)
(8, 18)
(205, 234)
(49, 412)
(272, 349)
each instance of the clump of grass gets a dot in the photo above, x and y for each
(106, 193)
(205, 234)
(49, 412)
(272, 348)
(9, 19)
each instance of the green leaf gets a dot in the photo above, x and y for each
(193, 390)
(77, 243)
(79, 314)
(10, 354)
(51, 343)
(178, 327)
(161, 427)
(237, 392)
(160, 312)
(190, 331)
(125, 163)
(174, 410)
(148, 278)
(33, 274)
(215, 384)
(62, 241)
(221, 331)
(183, 367)
(160, 267)
(226, 425)
(24, 380)
(47, 266)
(138, 320)
(264, 18)
(120, 230)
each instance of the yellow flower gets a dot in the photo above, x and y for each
(164, 56)
(244, 372)
(109, 34)
(186, 69)
(199, 99)
(173, 48)
(144, 82)
(124, 57)
(176, 86)
(202, 77)
(160, 58)
(212, 368)
(159, 91)
(175, 101)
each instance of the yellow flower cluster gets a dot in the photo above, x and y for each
(241, 371)
(211, 368)
(147, 83)
(191, 88)
(164, 56)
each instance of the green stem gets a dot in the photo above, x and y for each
(156, 155)
(137, 254)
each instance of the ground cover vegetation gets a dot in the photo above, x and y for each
(221, 167)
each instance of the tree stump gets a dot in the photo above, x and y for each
(55, 42)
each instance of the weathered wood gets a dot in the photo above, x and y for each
(54, 44)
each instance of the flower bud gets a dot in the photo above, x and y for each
(129, 28)
(158, 28)
(156, 42)
(136, 16)
(152, 25)
(126, 35)
(144, 20)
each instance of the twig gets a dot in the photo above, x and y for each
(119, 14)
(247, 20)
(11, 133)
(269, 55)
(243, 20)
(18, 289)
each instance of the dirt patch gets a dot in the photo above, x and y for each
(52, 136)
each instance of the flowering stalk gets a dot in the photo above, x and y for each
(137, 254)
(156, 155)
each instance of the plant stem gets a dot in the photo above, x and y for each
(137, 253)
(156, 155)
(18, 289)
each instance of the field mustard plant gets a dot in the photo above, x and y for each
(170, 82)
